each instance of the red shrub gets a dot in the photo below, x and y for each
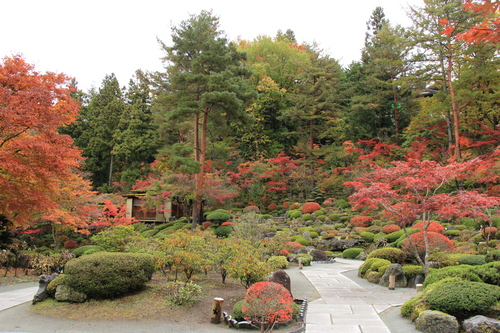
(249, 209)
(310, 207)
(228, 223)
(286, 204)
(328, 202)
(361, 221)
(70, 244)
(283, 252)
(432, 226)
(266, 303)
(272, 206)
(489, 231)
(206, 224)
(387, 229)
(436, 241)
(295, 205)
(293, 246)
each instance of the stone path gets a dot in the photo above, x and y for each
(12, 298)
(345, 306)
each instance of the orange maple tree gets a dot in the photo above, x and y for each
(38, 177)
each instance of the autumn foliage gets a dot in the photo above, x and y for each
(361, 221)
(267, 303)
(436, 241)
(387, 229)
(310, 207)
(431, 226)
(35, 160)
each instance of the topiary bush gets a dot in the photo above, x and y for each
(437, 242)
(366, 266)
(394, 255)
(462, 271)
(379, 263)
(294, 214)
(412, 270)
(489, 273)
(361, 221)
(387, 229)
(310, 207)
(307, 217)
(368, 236)
(223, 231)
(218, 216)
(493, 255)
(237, 312)
(463, 299)
(109, 275)
(352, 253)
(470, 223)
(432, 226)
(301, 240)
(473, 260)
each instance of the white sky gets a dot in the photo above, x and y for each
(89, 39)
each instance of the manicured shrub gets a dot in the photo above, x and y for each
(452, 233)
(463, 299)
(218, 216)
(286, 205)
(352, 253)
(267, 303)
(379, 263)
(109, 275)
(278, 262)
(437, 242)
(394, 255)
(334, 217)
(489, 273)
(473, 260)
(342, 203)
(294, 214)
(206, 224)
(293, 246)
(82, 249)
(223, 231)
(387, 229)
(249, 209)
(322, 218)
(180, 293)
(368, 236)
(314, 234)
(489, 232)
(114, 239)
(432, 226)
(301, 240)
(51, 288)
(237, 312)
(306, 258)
(310, 207)
(304, 229)
(395, 235)
(307, 217)
(366, 266)
(272, 206)
(412, 270)
(462, 271)
(493, 255)
(361, 221)
(295, 205)
(470, 223)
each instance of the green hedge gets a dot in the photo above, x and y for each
(463, 299)
(394, 255)
(109, 275)
(473, 260)
(352, 253)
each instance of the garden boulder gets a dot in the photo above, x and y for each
(436, 322)
(397, 271)
(481, 324)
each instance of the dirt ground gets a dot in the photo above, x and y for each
(145, 312)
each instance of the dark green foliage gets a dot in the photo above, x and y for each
(464, 272)
(489, 273)
(473, 260)
(51, 288)
(307, 217)
(223, 231)
(409, 305)
(150, 233)
(392, 254)
(219, 216)
(342, 203)
(109, 275)
(352, 253)
(294, 214)
(300, 239)
(493, 255)
(470, 223)
(379, 263)
(463, 299)
(366, 266)
(452, 233)
(79, 251)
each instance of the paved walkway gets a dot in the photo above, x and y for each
(13, 298)
(345, 306)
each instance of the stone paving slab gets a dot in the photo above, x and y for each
(14, 298)
(345, 306)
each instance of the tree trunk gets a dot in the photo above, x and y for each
(454, 106)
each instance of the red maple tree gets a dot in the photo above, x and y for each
(37, 164)
(414, 189)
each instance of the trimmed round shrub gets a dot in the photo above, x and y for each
(437, 242)
(394, 236)
(368, 236)
(366, 266)
(295, 205)
(412, 270)
(470, 223)
(432, 226)
(307, 217)
(70, 244)
(489, 232)
(109, 275)
(361, 221)
(294, 214)
(473, 260)
(80, 251)
(218, 216)
(272, 206)
(379, 263)
(310, 207)
(465, 272)
(452, 233)
(237, 312)
(249, 209)
(301, 240)
(306, 258)
(489, 273)
(352, 253)
(223, 231)
(463, 299)
(52, 286)
(322, 218)
(394, 255)
(387, 229)
(314, 234)
(493, 255)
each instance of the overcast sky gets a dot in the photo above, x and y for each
(92, 38)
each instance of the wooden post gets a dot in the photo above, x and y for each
(300, 263)
(392, 282)
(216, 310)
(419, 287)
